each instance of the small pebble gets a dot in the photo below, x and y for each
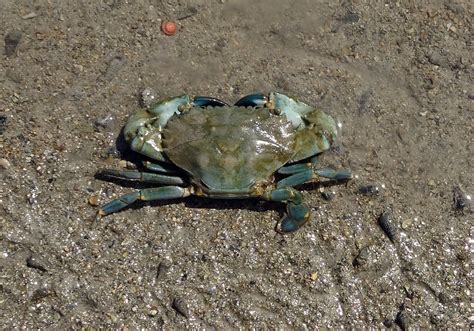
(94, 200)
(361, 258)
(112, 152)
(436, 59)
(104, 122)
(444, 298)
(162, 269)
(388, 322)
(180, 306)
(4, 164)
(29, 16)
(460, 199)
(3, 124)
(41, 293)
(431, 183)
(328, 196)
(314, 276)
(12, 39)
(147, 97)
(123, 164)
(406, 223)
(369, 190)
(402, 320)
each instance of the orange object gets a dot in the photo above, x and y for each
(168, 27)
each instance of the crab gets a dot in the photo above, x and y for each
(205, 147)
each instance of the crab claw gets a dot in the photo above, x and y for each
(298, 215)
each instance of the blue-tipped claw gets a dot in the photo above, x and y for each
(252, 100)
(118, 204)
(298, 215)
(201, 101)
(297, 212)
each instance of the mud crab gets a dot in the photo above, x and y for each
(203, 146)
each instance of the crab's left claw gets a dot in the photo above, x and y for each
(298, 212)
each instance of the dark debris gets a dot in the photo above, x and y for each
(385, 222)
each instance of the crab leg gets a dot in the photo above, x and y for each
(148, 194)
(135, 175)
(297, 212)
(298, 167)
(310, 174)
(166, 168)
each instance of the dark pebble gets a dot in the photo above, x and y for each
(41, 293)
(402, 320)
(3, 124)
(350, 17)
(12, 39)
(180, 306)
(35, 263)
(386, 224)
(388, 323)
(162, 269)
(361, 258)
(443, 298)
(328, 196)
(369, 190)
(460, 200)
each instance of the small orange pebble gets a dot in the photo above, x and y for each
(168, 27)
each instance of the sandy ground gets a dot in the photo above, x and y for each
(398, 76)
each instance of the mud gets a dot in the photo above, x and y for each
(396, 74)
